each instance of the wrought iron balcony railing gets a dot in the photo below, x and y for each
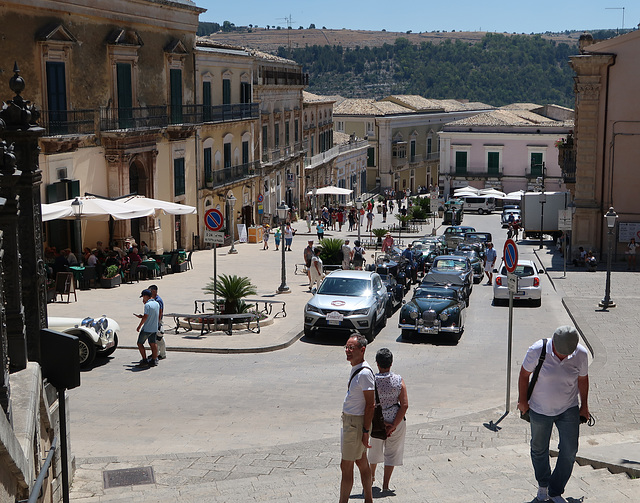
(68, 122)
(231, 174)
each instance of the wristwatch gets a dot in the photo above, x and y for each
(364, 430)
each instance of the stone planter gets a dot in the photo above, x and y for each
(110, 282)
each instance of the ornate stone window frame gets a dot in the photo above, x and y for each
(123, 47)
(55, 43)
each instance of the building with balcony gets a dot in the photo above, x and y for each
(402, 131)
(509, 149)
(606, 140)
(277, 86)
(117, 95)
(228, 156)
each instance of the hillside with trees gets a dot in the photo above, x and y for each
(497, 70)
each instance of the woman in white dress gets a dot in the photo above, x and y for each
(315, 272)
(392, 393)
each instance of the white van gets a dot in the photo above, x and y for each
(479, 204)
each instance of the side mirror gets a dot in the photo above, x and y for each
(404, 302)
(495, 271)
(540, 271)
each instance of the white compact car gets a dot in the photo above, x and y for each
(529, 287)
(97, 336)
(347, 301)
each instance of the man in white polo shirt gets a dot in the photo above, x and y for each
(563, 379)
(357, 414)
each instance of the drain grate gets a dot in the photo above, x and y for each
(128, 477)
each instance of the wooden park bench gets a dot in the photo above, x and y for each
(206, 320)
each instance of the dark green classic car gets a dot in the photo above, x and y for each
(433, 310)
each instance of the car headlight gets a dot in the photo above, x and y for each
(413, 315)
(313, 309)
(444, 316)
(363, 311)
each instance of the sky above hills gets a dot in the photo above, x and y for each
(460, 15)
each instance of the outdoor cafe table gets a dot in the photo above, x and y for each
(152, 266)
(77, 271)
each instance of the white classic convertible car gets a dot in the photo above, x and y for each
(97, 336)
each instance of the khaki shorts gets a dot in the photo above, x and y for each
(351, 437)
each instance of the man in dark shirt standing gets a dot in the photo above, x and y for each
(162, 346)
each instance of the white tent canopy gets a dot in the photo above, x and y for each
(331, 191)
(493, 192)
(50, 212)
(157, 205)
(95, 208)
(517, 195)
(465, 190)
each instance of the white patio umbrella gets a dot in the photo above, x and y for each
(465, 190)
(158, 205)
(95, 208)
(50, 212)
(493, 193)
(517, 195)
(331, 191)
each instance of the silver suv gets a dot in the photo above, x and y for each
(347, 301)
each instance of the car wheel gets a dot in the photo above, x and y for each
(480, 211)
(498, 302)
(383, 321)
(371, 333)
(389, 310)
(407, 335)
(109, 351)
(308, 332)
(87, 350)
(466, 301)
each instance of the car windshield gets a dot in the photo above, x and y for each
(434, 293)
(467, 253)
(521, 270)
(447, 264)
(351, 287)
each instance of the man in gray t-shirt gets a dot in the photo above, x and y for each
(346, 255)
(148, 328)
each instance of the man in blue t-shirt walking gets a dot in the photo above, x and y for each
(148, 329)
(162, 346)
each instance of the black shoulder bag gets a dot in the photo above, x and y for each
(378, 429)
(534, 378)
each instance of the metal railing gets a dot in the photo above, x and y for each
(44, 471)
(477, 172)
(281, 152)
(232, 174)
(567, 161)
(327, 155)
(68, 122)
(73, 122)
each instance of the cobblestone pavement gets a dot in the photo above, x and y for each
(452, 460)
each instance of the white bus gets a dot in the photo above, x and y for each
(479, 204)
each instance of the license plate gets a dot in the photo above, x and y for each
(428, 330)
(333, 322)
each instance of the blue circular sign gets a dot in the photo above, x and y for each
(510, 255)
(213, 220)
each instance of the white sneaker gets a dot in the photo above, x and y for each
(558, 499)
(543, 494)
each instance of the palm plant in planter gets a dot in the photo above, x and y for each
(232, 289)
(110, 277)
(331, 253)
(379, 233)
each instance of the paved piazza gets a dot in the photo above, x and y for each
(254, 425)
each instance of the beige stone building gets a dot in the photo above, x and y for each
(606, 143)
(116, 90)
(228, 161)
(402, 132)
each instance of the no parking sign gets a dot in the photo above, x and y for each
(510, 254)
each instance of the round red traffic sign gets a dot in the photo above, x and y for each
(510, 255)
(213, 220)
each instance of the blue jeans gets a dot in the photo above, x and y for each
(568, 424)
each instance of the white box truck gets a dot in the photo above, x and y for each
(534, 212)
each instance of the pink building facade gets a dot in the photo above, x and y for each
(510, 149)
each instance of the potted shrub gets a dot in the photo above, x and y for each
(111, 277)
(232, 289)
(331, 251)
(181, 265)
(380, 234)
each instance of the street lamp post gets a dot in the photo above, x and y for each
(611, 217)
(283, 209)
(76, 205)
(359, 207)
(232, 202)
(315, 203)
(543, 199)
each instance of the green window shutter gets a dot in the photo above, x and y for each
(371, 157)
(245, 92)
(206, 101)
(176, 95)
(461, 162)
(227, 155)
(286, 133)
(125, 95)
(296, 137)
(429, 147)
(207, 165)
(226, 92)
(57, 97)
(265, 138)
(536, 164)
(245, 152)
(178, 176)
(276, 133)
(493, 163)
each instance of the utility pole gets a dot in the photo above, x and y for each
(618, 8)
